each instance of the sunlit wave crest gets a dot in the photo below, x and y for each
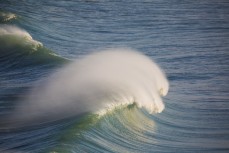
(97, 82)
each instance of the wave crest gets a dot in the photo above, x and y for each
(19, 49)
(96, 82)
(7, 16)
(12, 35)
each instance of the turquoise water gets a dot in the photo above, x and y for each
(40, 40)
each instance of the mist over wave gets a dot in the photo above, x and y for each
(95, 83)
(42, 96)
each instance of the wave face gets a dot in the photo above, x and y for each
(120, 130)
(57, 96)
(96, 82)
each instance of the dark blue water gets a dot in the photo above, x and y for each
(188, 39)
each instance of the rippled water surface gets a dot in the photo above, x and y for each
(189, 40)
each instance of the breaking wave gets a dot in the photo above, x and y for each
(94, 84)
(19, 49)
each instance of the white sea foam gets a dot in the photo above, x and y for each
(24, 36)
(7, 16)
(96, 82)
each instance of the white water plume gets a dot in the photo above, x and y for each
(19, 35)
(96, 82)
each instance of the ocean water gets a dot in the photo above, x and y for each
(114, 76)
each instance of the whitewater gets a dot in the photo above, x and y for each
(97, 82)
(114, 76)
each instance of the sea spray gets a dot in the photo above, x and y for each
(12, 35)
(96, 82)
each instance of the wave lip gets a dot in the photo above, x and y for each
(96, 82)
